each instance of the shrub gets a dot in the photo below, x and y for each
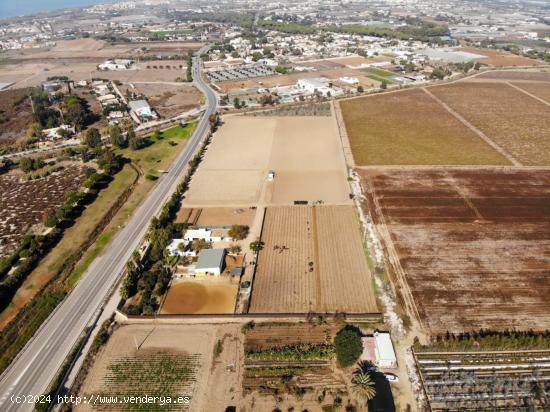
(348, 346)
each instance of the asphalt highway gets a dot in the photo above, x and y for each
(38, 363)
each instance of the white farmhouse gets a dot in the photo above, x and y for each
(175, 248)
(208, 235)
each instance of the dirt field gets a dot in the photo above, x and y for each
(515, 121)
(170, 99)
(290, 79)
(200, 297)
(304, 152)
(15, 114)
(216, 216)
(209, 383)
(313, 260)
(411, 128)
(543, 76)
(78, 59)
(501, 58)
(23, 202)
(473, 245)
(539, 89)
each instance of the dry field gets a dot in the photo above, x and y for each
(290, 79)
(170, 99)
(23, 202)
(515, 121)
(543, 76)
(15, 114)
(411, 128)
(500, 58)
(208, 296)
(474, 245)
(539, 89)
(216, 216)
(188, 367)
(313, 261)
(304, 152)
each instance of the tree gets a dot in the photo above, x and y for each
(348, 346)
(362, 383)
(237, 103)
(115, 136)
(49, 218)
(92, 138)
(157, 135)
(384, 85)
(26, 164)
(257, 245)
(360, 89)
(199, 244)
(238, 232)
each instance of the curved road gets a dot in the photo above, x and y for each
(39, 362)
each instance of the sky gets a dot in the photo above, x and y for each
(12, 8)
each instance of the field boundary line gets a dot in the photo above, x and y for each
(501, 168)
(473, 128)
(528, 94)
(393, 257)
(343, 133)
(465, 197)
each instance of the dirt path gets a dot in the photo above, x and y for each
(528, 94)
(473, 128)
(318, 296)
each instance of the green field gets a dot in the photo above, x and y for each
(379, 74)
(410, 128)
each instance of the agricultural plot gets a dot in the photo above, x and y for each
(165, 360)
(515, 121)
(304, 152)
(216, 216)
(313, 261)
(170, 99)
(22, 203)
(411, 128)
(483, 380)
(542, 76)
(294, 359)
(200, 297)
(538, 89)
(472, 245)
(501, 58)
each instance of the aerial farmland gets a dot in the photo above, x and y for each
(313, 261)
(304, 153)
(472, 245)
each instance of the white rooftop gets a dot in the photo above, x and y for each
(384, 346)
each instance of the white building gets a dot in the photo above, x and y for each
(118, 64)
(315, 86)
(378, 349)
(208, 235)
(211, 262)
(141, 109)
(349, 80)
(385, 355)
(56, 132)
(174, 248)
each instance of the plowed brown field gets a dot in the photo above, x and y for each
(474, 244)
(313, 261)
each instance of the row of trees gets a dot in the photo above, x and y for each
(150, 276)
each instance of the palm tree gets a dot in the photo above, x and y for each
(362, 383)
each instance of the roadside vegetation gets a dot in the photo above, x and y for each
(88, 235)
